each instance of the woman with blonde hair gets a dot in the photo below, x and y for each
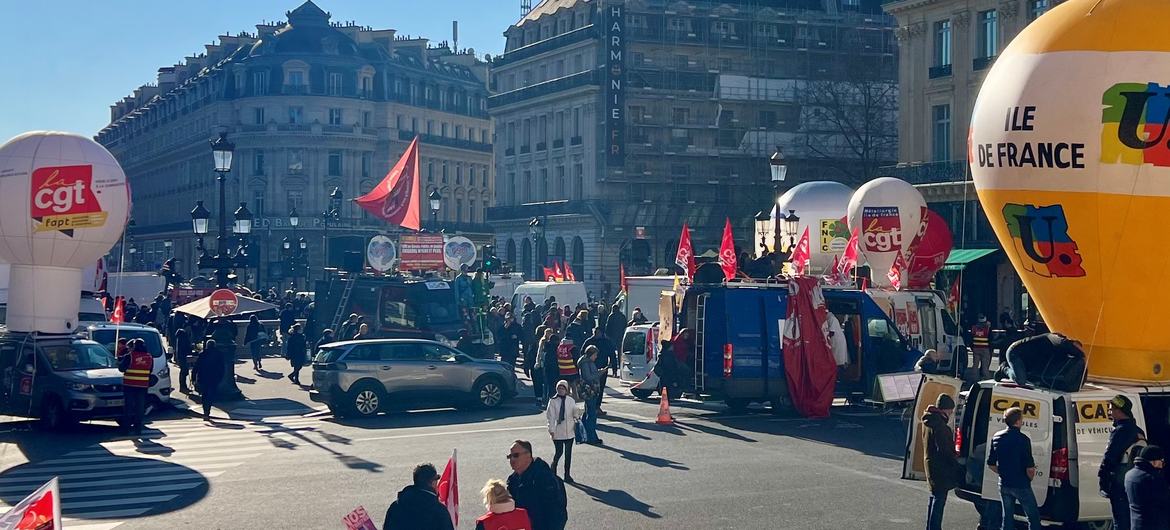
(502, 512)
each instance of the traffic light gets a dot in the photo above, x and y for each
(490, 262)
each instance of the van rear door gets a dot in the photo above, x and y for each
(931, 387)
(1092, 435)
(1038, 425)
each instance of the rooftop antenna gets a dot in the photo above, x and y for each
(525, 7)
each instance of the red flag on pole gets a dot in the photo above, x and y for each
(396, 199)
(119, 314)
(800, 254)
(953, 298)
(622, 278)
(895, 274)
(685, 257)
(834, 275)
(448, 490)
(569, 275)
(558, 273)
(549, 274)
(727, 258)
(849, 258)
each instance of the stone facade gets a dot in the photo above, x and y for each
(310, 105)
(618, 122)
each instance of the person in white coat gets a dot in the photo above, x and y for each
(562, 419)
(837, 341)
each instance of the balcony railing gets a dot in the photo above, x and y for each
(982, 63)
(294, 90)
(580, 79)
(537, 48)
(446, 142)
(929, 172)
(576, 140)
(558, 143)
(943, 70)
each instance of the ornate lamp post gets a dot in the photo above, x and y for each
(225, 258)
(331, 213)
(536, 229)
(436, 201)
(763, 220)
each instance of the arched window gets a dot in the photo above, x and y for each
(510, 252)
(559, 250)
(541, 252)
(526, 257)
(640, 258)
(579, 258)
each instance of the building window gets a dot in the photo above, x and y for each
(334, 116)
(258, 115)
(679, 24)
(367, 163)
(334, 86)
(578, 63)
(941, 132)
(367, 86)
(680, 116)
(397, 122)
(296, 161)
(335, 163)
(296, 78)
(414, 125)
(431, 127)
(259, 83)
(458, 210)
(483, 136)
(444, 172)
(578, 182)
(296, 199)
(471, 175)
(544, 190)
(637, 21)
(942, 43)
(1037, 8)
(430, 171)
(258, 202)
(443, 129)
(723, 27)
(510, 189)
(258, 163)
(576, 121)
(767, 119)
(471, 211)
(458, 132)
(367, 118)
(561, 190)
(296, 115)
(988, 33)
(458, 174)
(527, 196)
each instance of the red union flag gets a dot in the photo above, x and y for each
(727, 259)
(800, 254)
(685, 257)
(625, 285)
(448, 490)
(849, 258)
(39, 511)
(396, 199)
(119, 314)
(895, 274)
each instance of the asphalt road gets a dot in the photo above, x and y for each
(710, 470)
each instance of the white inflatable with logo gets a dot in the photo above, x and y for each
(887, 214)
(65, 204)
(821, 207)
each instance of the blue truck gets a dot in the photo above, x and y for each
(738, 327)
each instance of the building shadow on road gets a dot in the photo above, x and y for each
(619, 499)
(714, 431)
(620, 431)
(403, 418)
(640, 458)
(278, 435)
(878, 436)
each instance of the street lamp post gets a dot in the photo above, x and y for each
(763, 219)
(167, 243)
(294, 219)
(332, 213)
(779, 171)
(436, 201)
(225, 259)
(536, 228)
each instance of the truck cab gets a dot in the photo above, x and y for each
(1069, 432)
(923, 318)
(738, 329)
(394, 307)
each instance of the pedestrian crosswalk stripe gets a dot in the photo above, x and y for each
(163, 450)
(179, 486)
(138, 500)
(118, 463)
(71, 482)
(175, 457)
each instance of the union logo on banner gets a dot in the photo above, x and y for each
(882, 228)
(63, 199)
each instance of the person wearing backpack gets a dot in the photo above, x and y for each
(536, 489)
(1118, 459)
(1147, 490)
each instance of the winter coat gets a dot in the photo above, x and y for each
(504, 515)
(209, 369)
(615, 326)
(1149, 497)
(542, 494)
(606, 352)
(561, 430)
(417, 508)
(296, 347)
(942, 467)
(182, 347)
(253, 332)
(548, 352)
(1125, 433)
(577, 332)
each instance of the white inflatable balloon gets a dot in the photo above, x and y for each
(64, 202)
(821, 207)
(887, 214)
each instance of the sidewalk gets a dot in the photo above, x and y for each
(267, 394)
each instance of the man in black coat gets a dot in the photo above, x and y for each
(418, 506)
(510, 336)
(536, 488)
(1148, 492)
(615, 325)
(1111, 474)
(607, 357)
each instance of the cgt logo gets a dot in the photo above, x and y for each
(1133, 124)
(1093, 411)
(62, 199)
(882, 228)
(1031, 408)
(1040, 234)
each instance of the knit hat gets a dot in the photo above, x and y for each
(1121, 402)
(1152, 453)
(944, 402)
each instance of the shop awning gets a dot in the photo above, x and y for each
(959, 258)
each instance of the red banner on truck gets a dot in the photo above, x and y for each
(421, 252)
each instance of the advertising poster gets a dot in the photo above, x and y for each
(421, 252)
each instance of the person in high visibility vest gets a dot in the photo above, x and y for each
(135, 367)
(981, 348)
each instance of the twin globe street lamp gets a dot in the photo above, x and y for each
(295, 250)
(225, 259)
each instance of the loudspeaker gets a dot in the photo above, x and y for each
(353, 261)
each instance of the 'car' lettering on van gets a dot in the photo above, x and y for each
(1031, 408)
(1093, 411)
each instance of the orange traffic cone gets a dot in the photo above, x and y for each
(664, 417)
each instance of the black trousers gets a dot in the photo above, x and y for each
(134, 409)
(565, 448)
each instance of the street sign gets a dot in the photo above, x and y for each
(223, 302)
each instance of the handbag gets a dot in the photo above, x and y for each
(579, 432)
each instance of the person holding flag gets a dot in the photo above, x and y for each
(418, 506)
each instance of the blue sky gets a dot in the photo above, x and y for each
(63, 62)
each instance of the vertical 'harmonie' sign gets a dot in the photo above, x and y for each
(615, 79)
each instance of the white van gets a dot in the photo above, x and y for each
(639, 354)
(504, 285)
(922, 316)
(1069, 432)
(566, 293)
(645, 292)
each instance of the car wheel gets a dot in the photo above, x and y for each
(641, 393)
(489, 393)
(365, 400)
(54, 417)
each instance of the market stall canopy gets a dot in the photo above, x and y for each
(959, 258)
(202, 307)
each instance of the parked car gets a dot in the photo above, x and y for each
(361, 377)
(638, 357)
(107, 334)
(58, 379)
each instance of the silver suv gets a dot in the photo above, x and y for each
(361, 377)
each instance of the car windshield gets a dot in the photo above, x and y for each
(109, 338)
(78, 356)
(328, 355)
(91, 317)
(634, 343)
